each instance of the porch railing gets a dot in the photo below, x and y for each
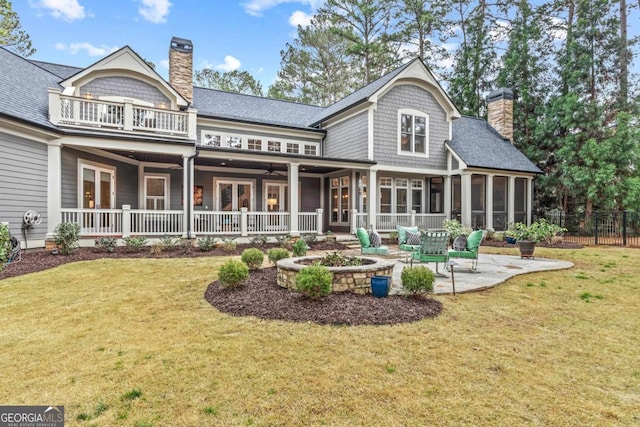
(388, 222)
(126, 222)
(87, 112)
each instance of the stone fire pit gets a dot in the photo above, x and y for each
(356, 279)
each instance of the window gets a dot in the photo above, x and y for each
(401, 195)
(274, 146)
(293, 148)
(234, 142)
(478, 201)
(520, 205)
(436, 192)
(456, 197)
(310, 150)
(211, 140)
(416, 195)
(500, 192)
(339, 200)
(156, 190)
(386, 188)
(413, 133)
(254, 144)
(233, 195)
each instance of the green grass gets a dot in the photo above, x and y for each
(133, 342)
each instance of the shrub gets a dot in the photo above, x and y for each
(284, 241)
(169, 243)
(393, 236)
(253, 257)
(135, 244)
(259, 241)
(157, 248)
(276, 254)
(539, 231)
(314, 281)
(5, 245)
(107, 244)
(232, 273)
(185, 246)
(207, 244)
(66, 237)
(336, 259)
(228, 244)
(310, 238)
(417, 279)
(300, 248)
(455, 229)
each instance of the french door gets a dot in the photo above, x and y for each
(276, 197)
(233, 195)
(97, 191)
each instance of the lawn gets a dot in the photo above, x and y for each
(133, 343)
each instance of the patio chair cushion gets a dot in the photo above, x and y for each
(413, 238)
(363, 236)
(375, 239)
(473, 241)
(460, 243)
(380, 250)
(402, 233)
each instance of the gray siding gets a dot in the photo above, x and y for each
(126, 179)
(348, 139)
(386, 127)
(126, 87)
(23, 184)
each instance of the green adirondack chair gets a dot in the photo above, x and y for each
(433, 248)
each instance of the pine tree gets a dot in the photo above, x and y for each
(228, 81)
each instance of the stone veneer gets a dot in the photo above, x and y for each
(356, 279)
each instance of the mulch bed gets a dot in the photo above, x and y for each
(261, 297)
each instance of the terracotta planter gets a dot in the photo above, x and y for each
(527, 247)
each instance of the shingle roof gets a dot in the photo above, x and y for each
(359, 95)
(23, 87)
(62, 71)
(481, 146)
(234, 106)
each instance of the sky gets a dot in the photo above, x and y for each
(227, 34)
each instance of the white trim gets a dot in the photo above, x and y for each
(407, 170)
(234, 182)
(97, 167)
(167, 188)
(370, 133)
(413, 113)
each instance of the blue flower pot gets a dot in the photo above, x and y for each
(380, 286)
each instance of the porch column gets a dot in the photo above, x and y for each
(511, 215)
(447, 197)
(465, 184)
(187, 223)
(529, 198)
(294, 198)
(372, 198)
(489, 201)
(54, 188)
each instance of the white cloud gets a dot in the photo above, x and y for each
(300, 18)
(155, 11)
(164, 63)
(74, 48)
(230, 64)
(256, 7)
(69, 10)
(500, 32)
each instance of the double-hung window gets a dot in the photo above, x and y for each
(414, 133)
(156, 192)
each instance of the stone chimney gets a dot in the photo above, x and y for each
(500, 111)
(181, 67)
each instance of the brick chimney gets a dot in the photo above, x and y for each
(500, 111)
(181, 67)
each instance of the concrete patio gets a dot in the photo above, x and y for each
(492, 271)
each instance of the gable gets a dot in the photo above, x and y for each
(111, 73)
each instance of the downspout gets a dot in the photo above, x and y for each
(190, 165)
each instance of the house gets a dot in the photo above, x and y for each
(120, 151)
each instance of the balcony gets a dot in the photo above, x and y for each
(87, 113)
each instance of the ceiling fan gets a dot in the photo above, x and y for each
(272, 172)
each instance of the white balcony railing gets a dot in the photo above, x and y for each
(388, 222)
(96, 113)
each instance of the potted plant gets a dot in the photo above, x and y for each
(528, 235)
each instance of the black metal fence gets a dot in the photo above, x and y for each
(615, 228)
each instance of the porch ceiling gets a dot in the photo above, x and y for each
(264, 165)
